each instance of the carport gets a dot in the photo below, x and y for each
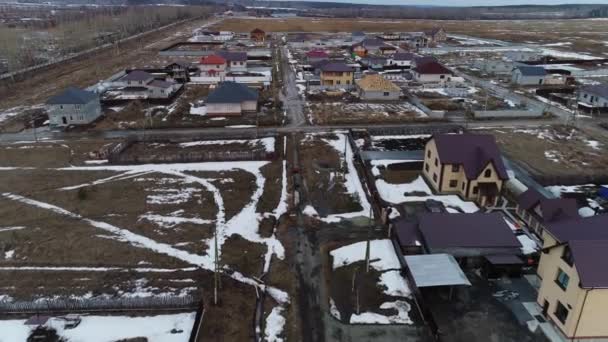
(436, 270)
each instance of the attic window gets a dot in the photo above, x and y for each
(488, 173)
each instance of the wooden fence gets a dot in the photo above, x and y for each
(105, 305)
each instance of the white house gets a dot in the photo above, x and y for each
(73, 107)
(237, 60)
(528, 75)
(212, 65)
(402, 60)
(432, 72)
(594, 96)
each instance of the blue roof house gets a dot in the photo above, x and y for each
(73, 106)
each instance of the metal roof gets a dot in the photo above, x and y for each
(72, 96)
(436, 270)
(138, 75)
(598, 89)
(532, 70)
(588, 228)
(589, 258)
(232, 92)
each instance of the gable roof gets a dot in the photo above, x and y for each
(388, 47)
(336, 67)
(532, 70)
(529, 199)
(372, 42)
(234, 56)
(183, 64)
(434, 31)
(232, 92)
(138, 75)
(404, 56)
(376, 82)
(558, 209)
(72, 95)
(587, 228)
(358, 34)
(407, 232)
(213, 60)
(472, 151)
(598, 89)
(258, 31)
(317, 54)
(589, 258)
(476, 230)
(431, 68)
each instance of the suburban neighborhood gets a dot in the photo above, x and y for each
(259, 173)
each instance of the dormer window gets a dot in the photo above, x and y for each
(488, 173)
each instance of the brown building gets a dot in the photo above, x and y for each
(437, 35)
(258, 35)
(469, 165)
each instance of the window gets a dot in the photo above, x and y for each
(436, 162)
(561, 312)
(386, 93)
(567, 256)
(453, 183)
(455, 168)
(463, 185)
(428, 153)
(540, 81)
(442, 77)
(585, 96)
(338, 82)
(562, 279)
(475, 190)
(488, 174)
(426, 166)
(434, 177)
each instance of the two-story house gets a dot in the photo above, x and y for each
(469, 165)
(337, 76)
(258, 35)
(213, 66)
(594, 96)
(236, 60)
(73, 106)
(574, 282)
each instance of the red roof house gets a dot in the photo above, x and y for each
(213, 60)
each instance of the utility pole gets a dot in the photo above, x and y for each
(368, 244)
(216, 275)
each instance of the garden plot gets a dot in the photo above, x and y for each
(542, 150)
(52, 153)
(401, 181)
(460, 99)
(333, 185)
(104, 230)
(338, 112)
(383, 293)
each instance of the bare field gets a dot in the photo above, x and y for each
(584, 35)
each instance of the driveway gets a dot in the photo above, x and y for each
(290, 96)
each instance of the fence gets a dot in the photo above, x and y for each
(190, 157)
(547, 180)
(507, 114)
(91, 305)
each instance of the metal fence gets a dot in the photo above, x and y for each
(105, 304)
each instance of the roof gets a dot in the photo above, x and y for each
(504, 259)
(387, 47)
(476, 230)
(435, 270)
(558, 209)
(161, 84)
(532, 70)
(184, 64)
(232, 92)
(472, 151)
(72, 95)
(407, 233)
(589, 258)
(336, 67)
(317, 54)
(404, 56)
(37, 320)
(257, 30)
(234, 56)
(372, 42)
(431, 68)
(376, 60)
(588, 228)
(424, 59)
(598, 89)
(213, 60)
(529, 199)
(434, 31)
(377, 83)
(138, 75)
(358, 34)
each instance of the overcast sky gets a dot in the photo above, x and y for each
(468, 2)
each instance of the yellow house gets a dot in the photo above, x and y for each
(337, 75)
(574, 288)
(469, 165)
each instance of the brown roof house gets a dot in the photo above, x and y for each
(257, 35)
(537, 210)
(376, 88)
(431, 72)
(469, 165)
(574, 279)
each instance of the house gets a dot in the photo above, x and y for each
(416, 39)
(237, 60)
(231, 98)
(537, 210)
(137, 78)
(402, 60)
(594, 96)
(522, 56)
(437, 35)
(419, 60)
(573, 293)
(375, 87)
(337, 75)
(431, 72)
(359, 50)
(315, 56)
(139, 84)
(494, 67)
(468, 237)
(375, 63)
(161, 89)
(257, 35)
(528, 75)
(387, 50)
(213, 65)
(357, 36)
(368, 46)
(389, 36)
(73, 106)
(179, 71)
(469, 165)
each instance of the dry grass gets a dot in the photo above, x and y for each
(50, 154)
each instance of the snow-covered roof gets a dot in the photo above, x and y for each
(435, 270)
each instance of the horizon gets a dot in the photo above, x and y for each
(461, 3)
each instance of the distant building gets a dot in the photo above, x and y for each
(213, 66)
(469, 165)
(594, 96)
(375, 87)
(494, 67)
(573, 294)
(528, 75)
(337, 75)
(437, 35)
(257, 35)
(73, 106)
(316, 56)
(237, 60)
(387, 50)
(368, 46)
(389, 36)
(522, 56)
(358, 36)
(375, 63)
(432, 72)
(402, 60)
(416, 39)
(231, 98)
(179, 71)
(139, 84)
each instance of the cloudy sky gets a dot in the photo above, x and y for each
(469, 2)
